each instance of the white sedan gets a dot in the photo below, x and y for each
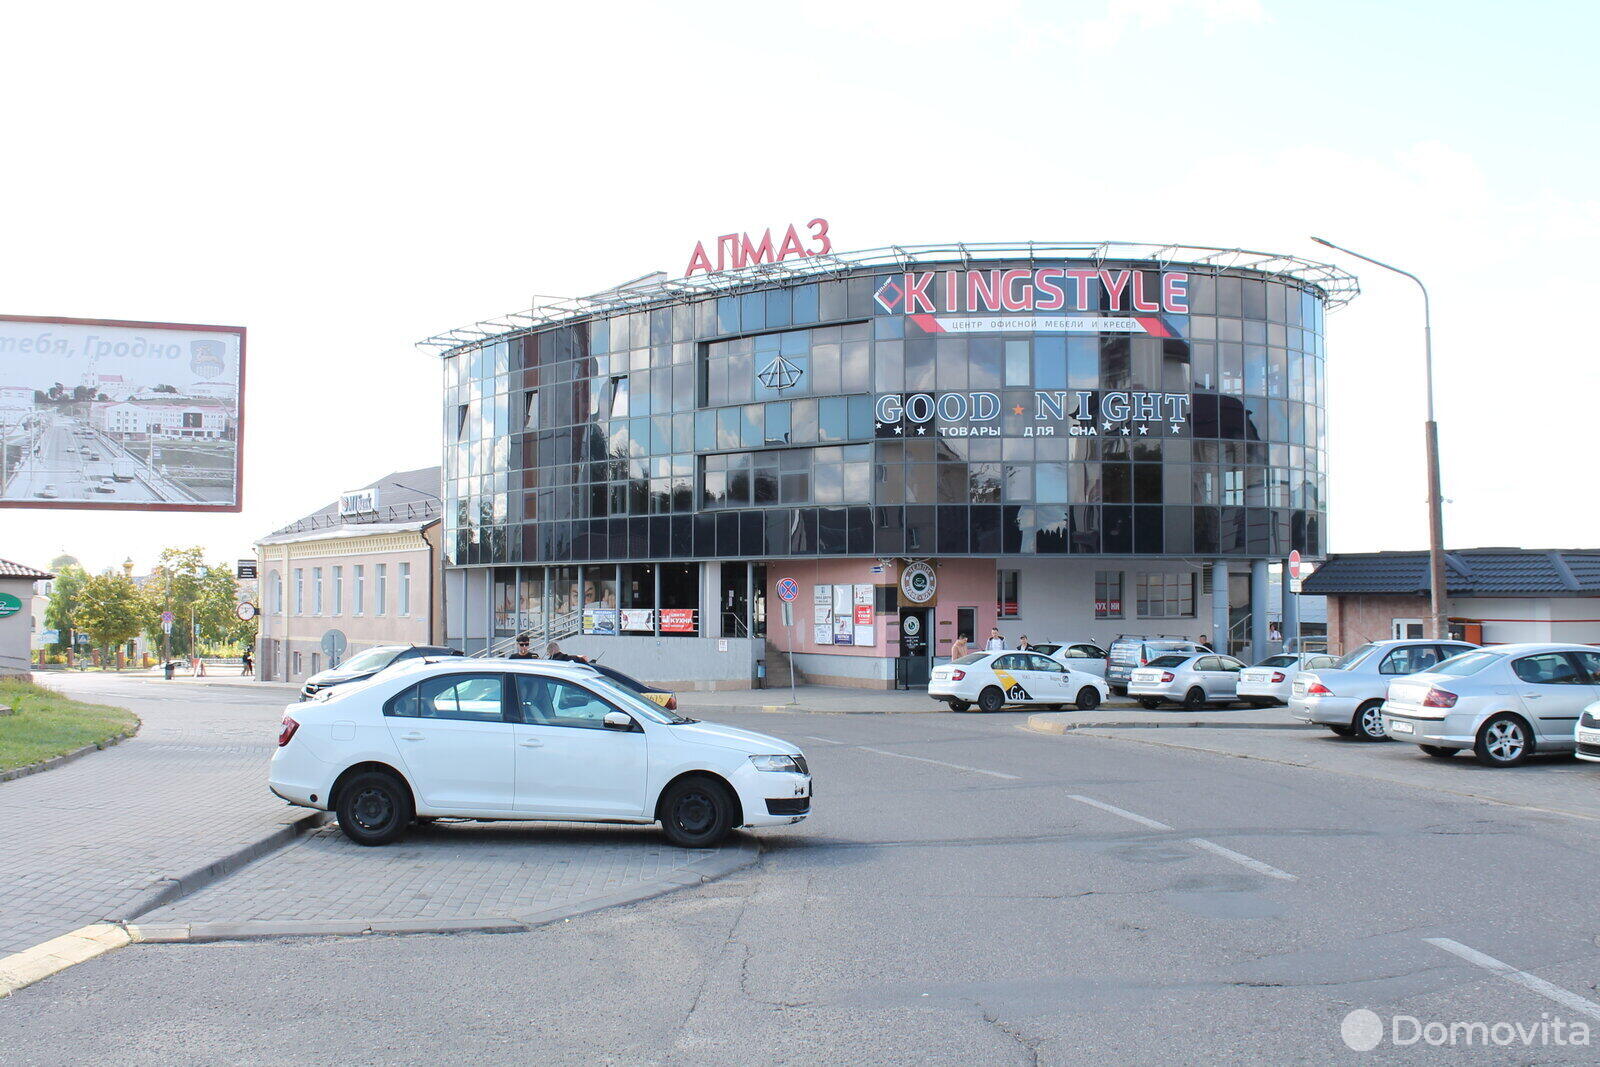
(1076, 655)
(1183, 678)
(1270, 681)
(1505, 703)
(517, 739)
(991, 680)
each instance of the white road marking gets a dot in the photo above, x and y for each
(1239, 857)
(941, 763)
(1113, 809)
(1522, 978)
(1198, 842)
(824, 740)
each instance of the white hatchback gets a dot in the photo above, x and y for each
(1504, 703)
(991, 680)
(1270, 681)
(514, 739)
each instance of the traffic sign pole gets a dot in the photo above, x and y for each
(788, 589)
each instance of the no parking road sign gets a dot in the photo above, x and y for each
(788, 589)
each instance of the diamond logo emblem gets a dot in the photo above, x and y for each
(780, 374)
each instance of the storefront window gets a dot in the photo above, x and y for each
(1108, 594)
(1006, 606)
(1166, 596)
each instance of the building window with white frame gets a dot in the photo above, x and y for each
(1006, 604)
(1166, 596)
(380, 588)
(358, 590)
(316, 590)
(1108, 594)
(275, 592)
(338, 591)
(299, 591)
(404, 593)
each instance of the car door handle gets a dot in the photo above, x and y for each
(531, 742)
(1532, 696)
(413, 736)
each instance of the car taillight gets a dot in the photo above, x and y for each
(1318, 689)
(289, 727)
(1143, 661)
(672, 703)
(1277, 676)
(1439, 698)
(1167, 676)
(956, 676)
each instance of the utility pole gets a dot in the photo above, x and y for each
(1438, 624)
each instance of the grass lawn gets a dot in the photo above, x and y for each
(47, 724)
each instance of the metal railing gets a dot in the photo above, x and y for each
(550, 628)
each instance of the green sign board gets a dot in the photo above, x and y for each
(9, 605)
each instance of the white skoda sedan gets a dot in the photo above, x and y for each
(1190, 680)
(991, 680)
(1270, 681)
(514, 739)
(1505, 703)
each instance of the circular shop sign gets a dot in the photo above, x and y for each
(246, 611)
(9, 605)
(911, 626)
(918, 583)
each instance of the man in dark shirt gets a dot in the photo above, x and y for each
(556, 653)
(522, 652)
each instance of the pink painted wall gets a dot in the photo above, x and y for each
(963, 583)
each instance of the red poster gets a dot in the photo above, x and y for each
(863, 614)
(677, 620)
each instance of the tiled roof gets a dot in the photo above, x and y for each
(1469, 572)
(404, 496)
(17, 570)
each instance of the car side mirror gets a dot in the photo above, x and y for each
(618, 720)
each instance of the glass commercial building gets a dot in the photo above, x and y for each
(1078, 441)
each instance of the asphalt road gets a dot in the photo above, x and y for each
(966, 892)
(61, 463)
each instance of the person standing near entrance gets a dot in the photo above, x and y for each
(958, 648)
(1022, 643)
(996, 642)
(523, 651)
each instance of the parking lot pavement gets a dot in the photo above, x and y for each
(1557, 783)
(827, 700)
(442, 874)
(1129, 714)
(90, 839)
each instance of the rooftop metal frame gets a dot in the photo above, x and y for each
(1338, 287)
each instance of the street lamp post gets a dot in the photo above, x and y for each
(1436, 587)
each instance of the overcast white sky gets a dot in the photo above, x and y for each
(345, 179)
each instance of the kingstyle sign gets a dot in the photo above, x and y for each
(1057, 299)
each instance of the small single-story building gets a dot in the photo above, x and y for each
(18, 616)
(1494, 595)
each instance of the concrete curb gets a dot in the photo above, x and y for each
(702, 869)
(56, 761)
(169, 889)
(1040, 725)
(57, 954)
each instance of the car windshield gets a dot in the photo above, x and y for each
(1277, 661)
(1170, 660)
(1459, 666)
(373, 659)
(1354, 658)
(635, 704)
(973, 657)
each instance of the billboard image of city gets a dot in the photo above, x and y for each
(141, 416)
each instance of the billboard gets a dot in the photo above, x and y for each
(131, 416)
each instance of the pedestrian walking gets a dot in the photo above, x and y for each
(249, 667)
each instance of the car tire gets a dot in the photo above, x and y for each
(696, 812)
(1194, 699)
(1342, 731)
(1367, 723)
(1504, 741)
(960, 705)
(1119, 690)
(1149, 703)
(374, 808)
(1088, 698)
(991, 699)
(1439, 751)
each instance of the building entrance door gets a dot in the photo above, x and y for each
(915, 648)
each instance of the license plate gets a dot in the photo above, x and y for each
(1397, 727)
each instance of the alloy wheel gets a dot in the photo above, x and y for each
(1372, 722)
(1505, 740)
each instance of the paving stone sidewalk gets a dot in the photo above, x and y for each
(86, 840)
(445, 871)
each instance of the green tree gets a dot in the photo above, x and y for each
(198, 592)
(111, 610)
(65, 595)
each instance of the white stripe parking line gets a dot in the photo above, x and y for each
(1522, 978)
(1198, 842)
(824, 740)
(941, 763)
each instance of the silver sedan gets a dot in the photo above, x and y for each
(1191, 680)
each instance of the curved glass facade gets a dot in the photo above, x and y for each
(961, 409)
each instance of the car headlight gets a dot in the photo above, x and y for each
(789, 764)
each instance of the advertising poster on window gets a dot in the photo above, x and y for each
(822, 616)
(601, 621)
(843, 600)
(844, 629)
(863, 616)
(133, 416)
(677, 620)
(822, 596)
(636, 619)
